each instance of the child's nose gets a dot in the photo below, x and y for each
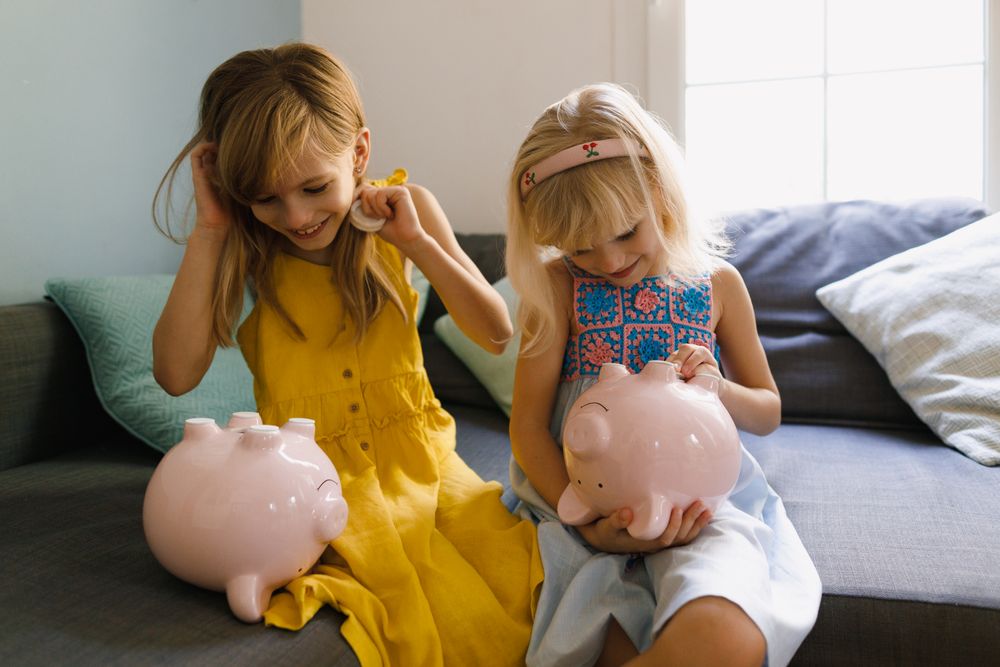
(610, 259)
(297, 216)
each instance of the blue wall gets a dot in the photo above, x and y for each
(96, 99)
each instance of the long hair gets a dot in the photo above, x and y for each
(263, 108)
(603, 199)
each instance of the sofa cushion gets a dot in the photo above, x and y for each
(115, 318)
(786, 254)
(904, 535)
(483, 442)
(46, 397)
(452, 380)
(494, 371)
(929, 316)
(82, 588)
(487, 252)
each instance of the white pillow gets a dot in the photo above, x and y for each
(931, 317)
(494, 371)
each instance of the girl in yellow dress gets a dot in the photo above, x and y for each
(431, 569)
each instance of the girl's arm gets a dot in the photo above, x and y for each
(749, 391)
(183, 346)
(536, 379)
(429, 242)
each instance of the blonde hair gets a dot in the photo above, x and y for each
(603, 199)
(263, 108)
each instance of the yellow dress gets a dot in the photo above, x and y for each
(432, 569)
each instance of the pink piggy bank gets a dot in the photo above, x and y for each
(648, 442)
(243, 509)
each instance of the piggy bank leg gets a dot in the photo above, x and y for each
(573, 510)
(649, 518)
(247, 598)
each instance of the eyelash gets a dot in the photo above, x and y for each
(311, 191)
(624, 237)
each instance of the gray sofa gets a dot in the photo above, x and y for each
(903, 530)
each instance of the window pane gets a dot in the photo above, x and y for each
(869, 35)
(737, 40)
(906, 134)
(755, 144)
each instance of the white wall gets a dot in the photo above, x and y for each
(451, 86)
(97, 99)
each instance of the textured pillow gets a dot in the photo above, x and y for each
(931, 317)
(494, 371)
(786, 254)
(420, 283)
(115, 318)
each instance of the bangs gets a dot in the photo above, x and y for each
(266, 145)
(600, 201)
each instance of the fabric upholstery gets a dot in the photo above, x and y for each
(82, 588)
(930, 317)
(889, 514)
(45, 386)
(115, 317)
(495, 372)
(786, 254)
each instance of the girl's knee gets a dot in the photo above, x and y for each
(713, 631)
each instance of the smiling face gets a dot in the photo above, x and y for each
(310, 201)
(624, 259)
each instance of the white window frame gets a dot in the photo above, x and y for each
(665, 80)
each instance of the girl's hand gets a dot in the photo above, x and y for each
(610, 535)
(212, 215)
(395, 204)
(694, 360)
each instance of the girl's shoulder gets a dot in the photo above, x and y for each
(726, 278)
(729, 292)
(560, 273)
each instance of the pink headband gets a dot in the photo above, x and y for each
(574, 156)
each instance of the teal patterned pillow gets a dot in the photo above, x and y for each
(494, 371)
(115, 318)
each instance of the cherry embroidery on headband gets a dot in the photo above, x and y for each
(590, 149)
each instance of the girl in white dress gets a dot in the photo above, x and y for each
(611, 266)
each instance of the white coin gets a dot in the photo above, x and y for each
(362, 221)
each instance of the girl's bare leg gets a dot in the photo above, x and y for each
(618, 648)
(706, 631)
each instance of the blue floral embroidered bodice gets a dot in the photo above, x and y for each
(637, 324)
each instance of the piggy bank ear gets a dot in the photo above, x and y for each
(197, 428)
(302, 426)
(659, 371)
(244, 420)
(706, 381)
(262, 437)
(611, 372)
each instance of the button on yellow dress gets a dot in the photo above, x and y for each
(432, 569)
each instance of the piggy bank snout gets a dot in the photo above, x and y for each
(587, 435)
(331, 515)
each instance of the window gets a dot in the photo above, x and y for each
(788, 101)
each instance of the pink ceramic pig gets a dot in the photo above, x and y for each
(648, 442)
(243, 509)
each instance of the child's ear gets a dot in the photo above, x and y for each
(362, 150)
